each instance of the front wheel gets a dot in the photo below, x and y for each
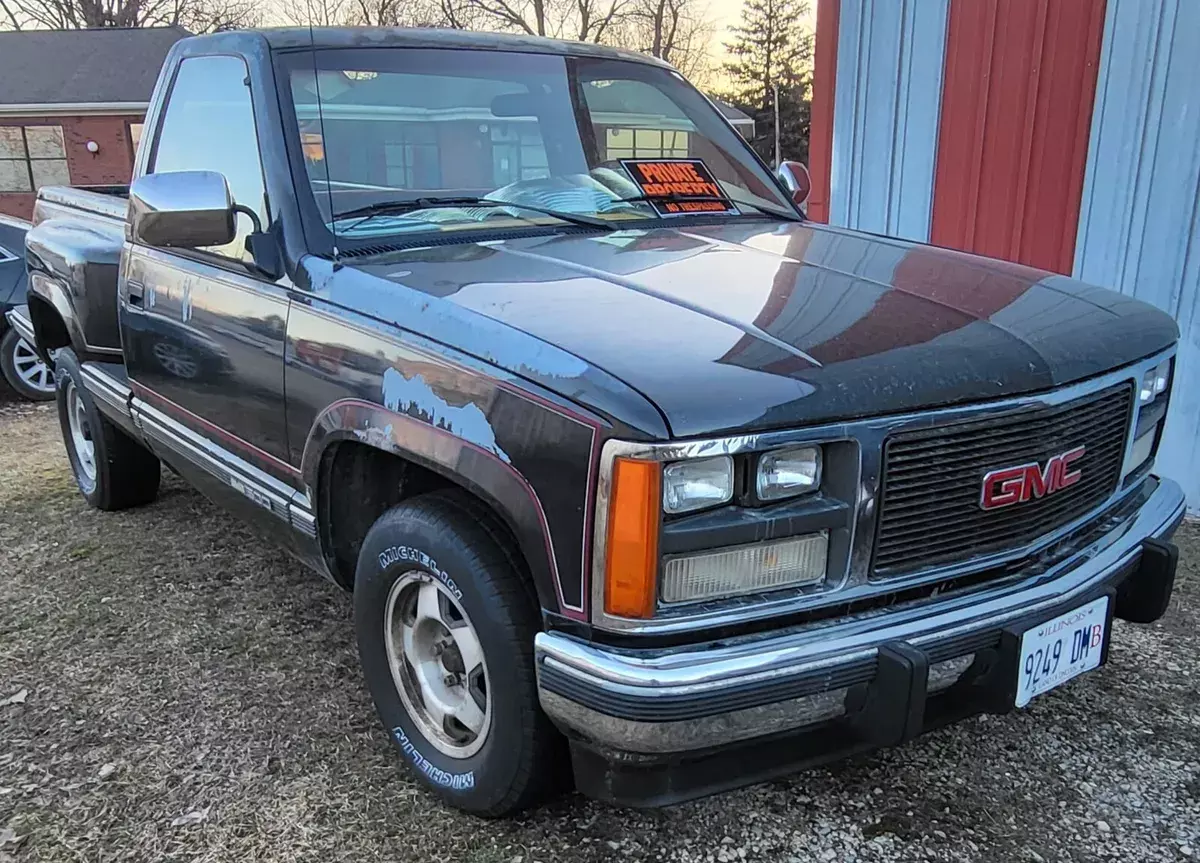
(24, 370)
(445, 631)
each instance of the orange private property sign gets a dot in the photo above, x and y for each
(676, 187)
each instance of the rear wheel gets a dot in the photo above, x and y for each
(445, 630)
(112, 470)
(24, 370)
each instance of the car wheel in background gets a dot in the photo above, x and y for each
(112, 470)
(24, 369)
(445, 627)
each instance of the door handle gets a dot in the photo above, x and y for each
(134, 291)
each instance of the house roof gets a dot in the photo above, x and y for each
(80, 67)
(732, 114)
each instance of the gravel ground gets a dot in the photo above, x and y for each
(189, 693)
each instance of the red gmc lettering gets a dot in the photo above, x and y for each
(1009, 485)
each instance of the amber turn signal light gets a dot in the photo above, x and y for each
(633, 517)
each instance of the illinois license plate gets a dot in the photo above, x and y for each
(1056, 650)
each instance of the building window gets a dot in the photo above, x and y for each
(518, 153)
(410, 156)
(646, 144)
(32, 157)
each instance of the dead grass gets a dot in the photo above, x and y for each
(176, 663)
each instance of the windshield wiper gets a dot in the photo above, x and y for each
(391, 207)
(675, 197)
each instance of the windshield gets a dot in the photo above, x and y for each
(400, 140)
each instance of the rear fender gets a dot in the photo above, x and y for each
(73, 266)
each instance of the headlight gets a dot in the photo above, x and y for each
(1162, 374)
(1146, 391)
(788, 472)
(1154, 382)
(697, 484)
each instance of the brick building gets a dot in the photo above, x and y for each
(71, 106)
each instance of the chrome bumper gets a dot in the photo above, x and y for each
(657, 702)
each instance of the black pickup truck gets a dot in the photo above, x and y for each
(628, 466)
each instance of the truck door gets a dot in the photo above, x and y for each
(203, 331)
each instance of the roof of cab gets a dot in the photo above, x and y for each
(284, 38)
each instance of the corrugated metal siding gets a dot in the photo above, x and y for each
(1020, 79)
(1139, 229)
(889, 84)
(820, 141)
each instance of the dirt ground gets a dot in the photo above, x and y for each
(191, 694)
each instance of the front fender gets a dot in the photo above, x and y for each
(477, 464)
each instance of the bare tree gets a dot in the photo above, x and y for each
(318, 13)
(677, 31)
(199, 16)
(584, 20)
(396, 13)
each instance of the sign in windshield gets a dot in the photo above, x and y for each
(676, 187)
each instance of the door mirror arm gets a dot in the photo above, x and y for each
(246, 211)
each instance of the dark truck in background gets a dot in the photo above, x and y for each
(623, 460)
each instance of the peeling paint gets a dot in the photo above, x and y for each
(381, 438)
(416, 398)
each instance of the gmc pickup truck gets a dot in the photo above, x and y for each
(636, 475)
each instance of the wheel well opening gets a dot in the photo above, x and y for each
(48, 325)
(358, 484)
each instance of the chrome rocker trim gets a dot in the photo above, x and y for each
(21, 323)
(685, 699)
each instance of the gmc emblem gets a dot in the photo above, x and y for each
(1008, 485)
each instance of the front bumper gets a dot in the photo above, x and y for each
(652, 727)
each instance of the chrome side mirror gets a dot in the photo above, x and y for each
(796, 180)
(185, 209)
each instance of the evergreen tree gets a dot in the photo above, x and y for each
(772, 47)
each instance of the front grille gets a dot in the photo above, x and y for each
(929, 506)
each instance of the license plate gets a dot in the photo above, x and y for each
(1056, 650)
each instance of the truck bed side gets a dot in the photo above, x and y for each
(73, 253)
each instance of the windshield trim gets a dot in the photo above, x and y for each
(323, 242)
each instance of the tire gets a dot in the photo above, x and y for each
(24, 370)
(449, 544)
(112, 470)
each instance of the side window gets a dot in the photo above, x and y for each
(209, 126)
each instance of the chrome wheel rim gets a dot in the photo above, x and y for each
(30, 369)
(175, 360)
(437, 664)
(81, 434)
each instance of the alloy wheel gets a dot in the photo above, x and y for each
(437, 664)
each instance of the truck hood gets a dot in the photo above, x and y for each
(756, 325)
